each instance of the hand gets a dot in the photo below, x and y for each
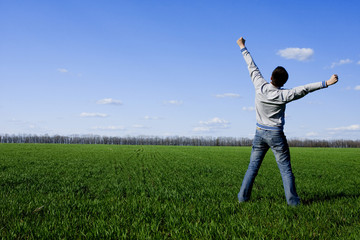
(241, 42)
(334, 78)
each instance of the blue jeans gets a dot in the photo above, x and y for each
(276, 140)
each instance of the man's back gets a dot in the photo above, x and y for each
(270, 101)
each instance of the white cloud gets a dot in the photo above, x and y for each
(14, 120)
(62, 70)
(211, 125)
(215, 122)
(341, 62)
(314, 102)
(109, 101)
(230, 95)
(138, 126)
(85, 114)
(151, 118)
(26, 126)
(249, 109)
(173, 102)
(358, 62)
(312, 134)
(354, 127)
(357, 87)
(109, 128)
(300, 54)
(201, 129)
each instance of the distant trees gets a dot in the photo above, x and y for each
(170, 141)
(128, 140)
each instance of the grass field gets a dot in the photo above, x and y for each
(142, 192)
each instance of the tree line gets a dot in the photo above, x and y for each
(169, 141)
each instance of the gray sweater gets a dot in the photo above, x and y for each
(270, 101)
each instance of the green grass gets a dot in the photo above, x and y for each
(161, 192)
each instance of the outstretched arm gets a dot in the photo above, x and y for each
(254, 71)
(289, 95)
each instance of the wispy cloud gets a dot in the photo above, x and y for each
(341, 62)
(173, 102)
(212, 124)
(109, 128)
(62, 70)
(151, 118)
(314, 102)
(300, 54)
(228, 95)
(17, 121)
(139, 126)
(109, 101)
(358, 62)
(86, 114)
(201, 129)
(215, 122)
(354, 127)
(357, 88)
(312, 134)
(30, 126)
(249, 109)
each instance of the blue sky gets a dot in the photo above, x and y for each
(166, 68)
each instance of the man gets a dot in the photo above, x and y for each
(270, 102)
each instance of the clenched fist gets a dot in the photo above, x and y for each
(241, 42)
(334, 78)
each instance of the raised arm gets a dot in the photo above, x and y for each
(254, 71)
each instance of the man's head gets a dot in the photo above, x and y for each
(279, 76)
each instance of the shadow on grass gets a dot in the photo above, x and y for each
(328, 197)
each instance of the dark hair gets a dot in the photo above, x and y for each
(279, 76)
